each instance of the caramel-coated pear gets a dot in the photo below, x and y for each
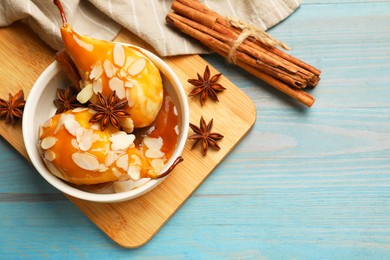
(79, 152)
(107, 66)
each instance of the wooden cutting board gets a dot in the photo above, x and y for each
(131, 224)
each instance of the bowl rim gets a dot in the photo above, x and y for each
(30, 141)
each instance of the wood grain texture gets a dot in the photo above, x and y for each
(303, 184)
(30, 60)
(133, 223)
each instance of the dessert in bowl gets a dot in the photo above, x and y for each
(126, 135)
(39, 111)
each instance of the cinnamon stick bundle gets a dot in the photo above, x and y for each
(256, 55)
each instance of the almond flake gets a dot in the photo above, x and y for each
(48, 142)
(82, 83)
(96, 71)
(95, 137)
(134, 171)
(47, 123)
(123, 162)
(122, 186)
(49, 155)
(108, 68)
(137, 67)
(102, 168)
(97, 86)
(129, 84)
(130, 98)
(59, 123)
(153, 143)
(74, 143)
(122, 73)
(85, 94)
(154, 154)
(40, 132)
(84, 138)
(79, 109)
(119, 55)
(121, 140)
(117, 173)
(71, 124)
(136, 160)
(85, 161)
(118, 133)
(127, 124)
(110, 158)
(114, 70)
(91, 111)
(157, 165)
(117, 85)
(95, 126)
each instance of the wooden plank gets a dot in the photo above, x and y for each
(133, 223)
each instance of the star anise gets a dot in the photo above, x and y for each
(66, 99)
(13, 108)
(204, 135)
(206, 86)
(108, 111)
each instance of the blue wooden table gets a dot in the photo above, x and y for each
(303, 184)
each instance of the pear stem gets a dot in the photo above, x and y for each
(175, 163)
(58, 4)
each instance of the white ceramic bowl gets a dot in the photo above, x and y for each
(39, 107)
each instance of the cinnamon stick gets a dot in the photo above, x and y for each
(267, 63)
(67, 65)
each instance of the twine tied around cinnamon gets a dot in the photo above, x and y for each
(249, 30)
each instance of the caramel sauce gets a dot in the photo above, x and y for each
(163, 126)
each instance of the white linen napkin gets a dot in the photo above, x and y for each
(103, 19)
